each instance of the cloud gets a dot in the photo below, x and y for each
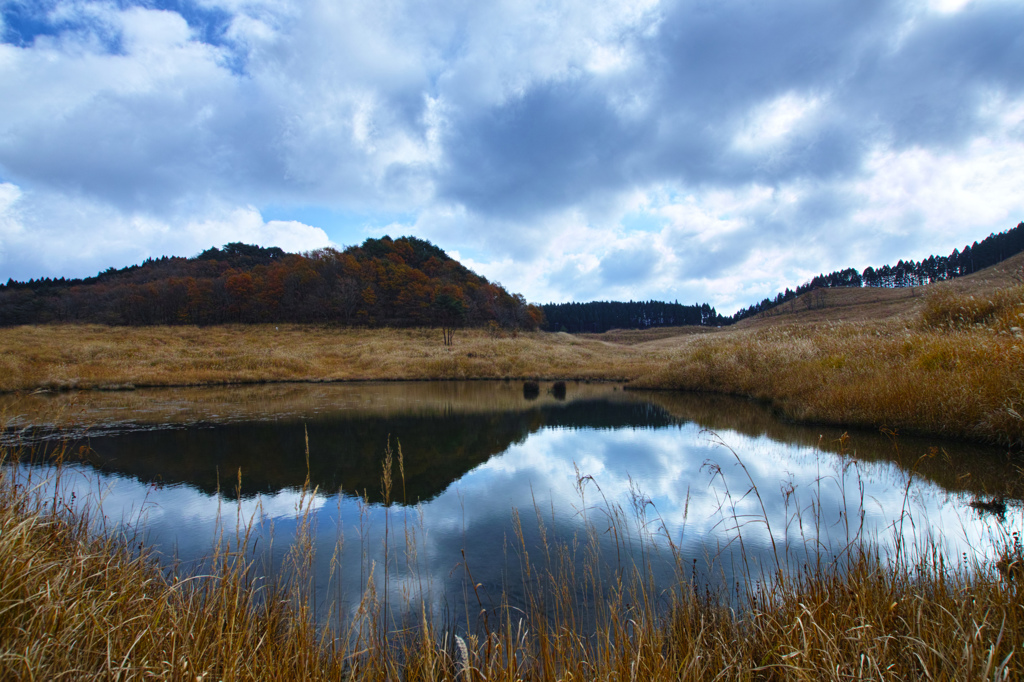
(10, 221)
(45, 235)
(629, 266)
(572, 150)
(550, 148)
(738, 94)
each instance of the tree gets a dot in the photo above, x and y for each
(450, 313)
(240, 288)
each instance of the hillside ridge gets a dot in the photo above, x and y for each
(396, 282)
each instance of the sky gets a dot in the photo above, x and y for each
(694, 150)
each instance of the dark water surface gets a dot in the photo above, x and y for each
(661, 466)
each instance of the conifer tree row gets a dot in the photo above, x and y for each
(600, 316)
(993, 249)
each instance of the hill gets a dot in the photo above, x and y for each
(974, 258)
(858, 305)
(866, 304)
(396, 282)
(881, 291)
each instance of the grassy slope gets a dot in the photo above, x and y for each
(92, 356)
(944, 359)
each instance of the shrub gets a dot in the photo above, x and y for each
(558, 390)
(531, 389)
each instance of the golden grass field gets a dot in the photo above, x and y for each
(944, 359)
(91, 356)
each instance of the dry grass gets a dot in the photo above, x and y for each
(958, 371)
(941, 373)
(633, 337)
(77, 606)
(93, 356)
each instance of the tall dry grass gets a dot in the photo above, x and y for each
(77, 604)
(957, 372)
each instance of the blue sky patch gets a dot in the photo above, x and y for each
(345, 228)
(642, 221)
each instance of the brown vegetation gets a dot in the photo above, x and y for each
(77, 606)
(956, 371)
(403, 282)
(956, 379)
(94, 356)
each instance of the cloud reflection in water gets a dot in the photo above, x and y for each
(810, 498)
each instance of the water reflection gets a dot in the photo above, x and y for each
(346, 450)
(473, 453)
(426, 412)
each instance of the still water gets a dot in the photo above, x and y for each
(731, 487)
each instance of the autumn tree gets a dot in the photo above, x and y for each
(450, 312)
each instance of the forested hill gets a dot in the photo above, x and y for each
(600, 316)
(993, 249)
(398, 282)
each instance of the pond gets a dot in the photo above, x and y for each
(486, 479)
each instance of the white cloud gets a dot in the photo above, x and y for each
(772, 122)
(948, 6)
(84, 237)
(145, 30)
(11, 228)
(947, 196)
(247, 225)
(504, 48)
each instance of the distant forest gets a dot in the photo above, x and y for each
(400, 282)
(991, 250)
(600, 316)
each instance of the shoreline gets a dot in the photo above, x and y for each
(625, 385)
(958, 383)
(300, 382)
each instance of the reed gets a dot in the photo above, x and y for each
(79, 601)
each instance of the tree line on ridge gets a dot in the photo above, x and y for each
(395, 282)
(599, 316)
(993, 249)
